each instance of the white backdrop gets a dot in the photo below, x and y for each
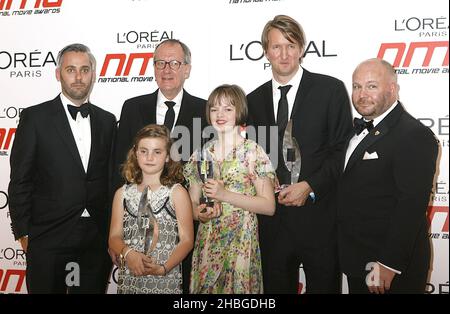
(224, 38)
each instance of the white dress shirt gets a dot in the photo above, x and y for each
(81, 130)
(356, 139)
(276, 93)
(161, 107)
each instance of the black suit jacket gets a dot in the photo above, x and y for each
(382, 202)
(140, 111)
(49, 188)
(321, 121)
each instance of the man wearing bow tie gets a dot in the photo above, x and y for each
(60, 172)
(384, 190)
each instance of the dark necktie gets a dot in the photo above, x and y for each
(282, 114)
(170, 115)
(359, 124)
(83, 109)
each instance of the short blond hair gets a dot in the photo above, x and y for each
(290, 29)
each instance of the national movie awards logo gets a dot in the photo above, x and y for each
(32, 7)
(127, 67)
(438, 219)
(12, 272)
(236, 2)
(427, 53)
(6, 139)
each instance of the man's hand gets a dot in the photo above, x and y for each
(379, 279)
(295, 194)
(24, 243)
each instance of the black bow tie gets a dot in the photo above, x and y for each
(83, 109)
(359, 124)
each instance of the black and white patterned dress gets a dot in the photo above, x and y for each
(164, 213)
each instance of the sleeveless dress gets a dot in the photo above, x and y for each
(163, 211)
(226, 256)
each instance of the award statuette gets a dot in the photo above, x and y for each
(205, 168)
(291, 155)
(147, 232)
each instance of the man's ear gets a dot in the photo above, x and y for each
(187, 71)
(58, 74)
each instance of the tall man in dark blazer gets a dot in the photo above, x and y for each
(384, 190)
(60, 175)
(302, 231)
(170, 105)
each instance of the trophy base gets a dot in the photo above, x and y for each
(208, 202)
(281, 187)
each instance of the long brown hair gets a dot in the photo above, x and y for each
(172, 172)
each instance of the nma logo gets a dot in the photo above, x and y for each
(43, 4)
(122, 58)
(6, 136)
(429, 47)
(433, 212)
(7, 274)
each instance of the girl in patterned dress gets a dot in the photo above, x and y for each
(226, 257)
(151, 225)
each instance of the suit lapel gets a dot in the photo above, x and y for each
(268, 95)
(63, 129)
(184, 110)
(95, 136)
(375, 135)
(148, 109)
(303, 90)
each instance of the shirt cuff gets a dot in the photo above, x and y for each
(390, 268)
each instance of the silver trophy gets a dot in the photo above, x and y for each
(205, 168)
(291, 155)
(147, 232)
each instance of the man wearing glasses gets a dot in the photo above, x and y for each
(169, 105)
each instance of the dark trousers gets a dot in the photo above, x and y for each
(80, 264)
(412, 280)
(399, 285)
(283, 252)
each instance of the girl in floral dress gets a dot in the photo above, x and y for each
(226, 257)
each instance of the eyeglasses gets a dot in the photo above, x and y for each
(161, 64)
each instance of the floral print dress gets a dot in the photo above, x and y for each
(227, 257)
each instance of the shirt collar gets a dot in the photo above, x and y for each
(162, 99)
(66, 101)
(382, 116)
(294, 81)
